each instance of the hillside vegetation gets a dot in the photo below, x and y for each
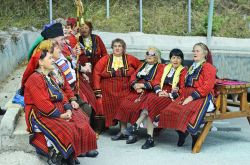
(231, 17)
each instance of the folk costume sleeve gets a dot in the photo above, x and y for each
(99, 68)
(206, 81)
(182, 80)
(40, 95)
(102, 46)
(157, 79)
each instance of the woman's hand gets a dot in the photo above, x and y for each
(98, 95)
(176, 89)
(74, 104)
(163, 94)
(85, 69)
(138, 86)
(86, 77)
(187, 100)
(139, 90)
(67, 115)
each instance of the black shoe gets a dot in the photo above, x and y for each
(64, 162)
(2, 111)
(77, 161)
(194, 139)
(92, 153)
(119, 136)
(132, 130)
(59, 158)
(131, 139)
(70, 160)
(182, 138)
(149, 143)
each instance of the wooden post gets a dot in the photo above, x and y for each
(223, 105)
(202, 137)
(243, 101)
(248, 118)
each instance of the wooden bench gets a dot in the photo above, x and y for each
(221, 111)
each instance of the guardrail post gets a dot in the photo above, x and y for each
(107, 9)
(210, 22)
(50, 11)
(141, 16)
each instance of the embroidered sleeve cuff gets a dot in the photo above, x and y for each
(97, 91)
(195, 95)
(147, 85)
(67, 106)
(157, 89)
(174, 95)
(54, 113)
(72, 99)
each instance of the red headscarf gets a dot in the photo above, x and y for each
(31, 67)
(71, 22)
(72, 40)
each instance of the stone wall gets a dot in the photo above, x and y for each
(14, 46)
(231, 56)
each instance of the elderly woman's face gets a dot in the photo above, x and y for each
(47, 62)
(117, 48)
(151, 59)
(67, 30)
(198, 54)
(56, 52)
(85, 30)
(175, 61)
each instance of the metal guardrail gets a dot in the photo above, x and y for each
(210, 17)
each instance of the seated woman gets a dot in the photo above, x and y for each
(111, 79)
(53, 121)
(186, 113)
(144, 81)
(172, 84)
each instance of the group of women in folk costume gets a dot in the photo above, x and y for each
(58, 128)
(172, 94)
(131, 91)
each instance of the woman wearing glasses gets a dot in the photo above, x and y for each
(143, 82)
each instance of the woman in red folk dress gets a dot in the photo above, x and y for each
(172, 84)
(111, 79)
(144, 81)
(186, 113)
(54, 122)
(94, 48)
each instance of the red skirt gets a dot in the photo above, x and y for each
(85, 91)
(154, 104)
(74, 136)
(130, 108)
(114, 90)
(181, 117)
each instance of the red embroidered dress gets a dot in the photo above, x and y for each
(98, 50)
(45, 101)
(154, 104)
(131, 106)
(199, 84)
(113, 84)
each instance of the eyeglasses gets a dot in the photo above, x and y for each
(150, 53)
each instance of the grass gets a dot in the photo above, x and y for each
(231, 17)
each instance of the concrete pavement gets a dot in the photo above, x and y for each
(220, 147)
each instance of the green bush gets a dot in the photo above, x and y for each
(231, 18)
